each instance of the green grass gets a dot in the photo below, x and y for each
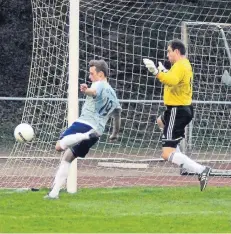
(183, 209)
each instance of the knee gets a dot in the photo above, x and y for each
(68, 156)
(165, 156)
(160, 123)
(58, 147)
(166, 153)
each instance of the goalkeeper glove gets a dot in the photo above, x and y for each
(162, 68)
(149, 64)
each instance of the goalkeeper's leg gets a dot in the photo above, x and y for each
(176, 118)
(188, 164)
(160, 122)
(174, 121)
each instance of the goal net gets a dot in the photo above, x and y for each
(123, 33)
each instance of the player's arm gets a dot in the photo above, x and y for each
(88, 91)
(171, 77)
(116, 114)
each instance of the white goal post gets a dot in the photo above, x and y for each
(123, 33)
(73, 83)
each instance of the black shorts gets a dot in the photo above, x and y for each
(175, 119)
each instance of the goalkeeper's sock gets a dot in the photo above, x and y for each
(60, 178)
(178, 149)
(187, 163)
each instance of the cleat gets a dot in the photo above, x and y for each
(48, 197)
(203, 178)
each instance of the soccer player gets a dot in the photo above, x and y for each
(101, 103)
(179, 110)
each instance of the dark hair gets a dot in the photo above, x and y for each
(177, 44)
(100, 66)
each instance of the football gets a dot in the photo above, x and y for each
(24, 133)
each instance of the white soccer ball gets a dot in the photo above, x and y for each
(23, 133)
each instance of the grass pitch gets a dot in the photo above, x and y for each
(168, 209)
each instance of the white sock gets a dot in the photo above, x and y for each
(188, 164)
(60, 178)
(178, 149)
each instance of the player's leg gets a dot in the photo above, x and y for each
(79, 149)
(61, 174)
(176, 119)
(75, 134)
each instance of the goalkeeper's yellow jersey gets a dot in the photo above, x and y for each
(177, 83)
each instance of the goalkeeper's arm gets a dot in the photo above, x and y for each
(166, 77)
(152, 67)
(116, 114)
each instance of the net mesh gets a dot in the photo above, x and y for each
(123, 33)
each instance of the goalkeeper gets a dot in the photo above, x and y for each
(179, 110)
(101, 103)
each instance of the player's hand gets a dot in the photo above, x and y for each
(149, 64)
(161, 67)
(114, 137)
(83, 87)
